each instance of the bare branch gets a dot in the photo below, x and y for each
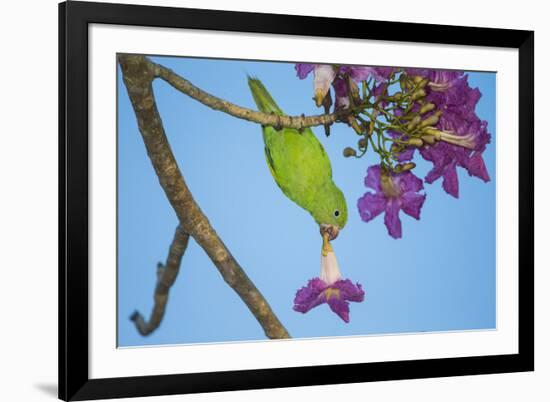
(138, 76)
(266, 119)
(166, 276)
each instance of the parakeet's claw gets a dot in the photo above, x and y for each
(301, 129)
(327, 130)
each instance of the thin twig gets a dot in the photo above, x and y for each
(138, 77)
(166, 276)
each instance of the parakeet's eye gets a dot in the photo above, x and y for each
(337, 213)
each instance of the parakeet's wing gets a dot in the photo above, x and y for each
(270, 164)
(297, 161)
(272, 168)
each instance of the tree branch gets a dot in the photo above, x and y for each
(166, 276)
(138, 75)
(266, 119)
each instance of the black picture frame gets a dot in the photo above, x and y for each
(74, 18)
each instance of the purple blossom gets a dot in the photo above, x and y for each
(464, 137)
(446, 157)
(337, 296)
(455, 97)
(329, 288)
(303, 69)
(392, 192)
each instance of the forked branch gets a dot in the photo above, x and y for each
(213, 102)
(138, 75)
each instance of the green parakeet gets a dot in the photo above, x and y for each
(301, 168)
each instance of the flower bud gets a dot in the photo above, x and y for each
(430, 121)
(420, 81)
(354, 89)
(397, 96)
(429, 139)
(413, 123)
(428, 107)
(432, 131)
(404, 167)
(419, 93)
(348, 152)
(415, 142)
(362, 143)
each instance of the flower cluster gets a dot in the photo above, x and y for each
(463, 136)
(396, 112)
(344, 80)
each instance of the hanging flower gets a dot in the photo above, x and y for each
(392, 192)
(329, 288)
(323, 76)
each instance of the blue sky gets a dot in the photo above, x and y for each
(439, 277)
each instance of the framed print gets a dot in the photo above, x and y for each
(258, 201)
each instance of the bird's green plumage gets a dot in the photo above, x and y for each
(300, 166)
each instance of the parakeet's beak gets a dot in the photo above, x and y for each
(330, 230)
(329, 233)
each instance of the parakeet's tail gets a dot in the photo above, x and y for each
(263, 99)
